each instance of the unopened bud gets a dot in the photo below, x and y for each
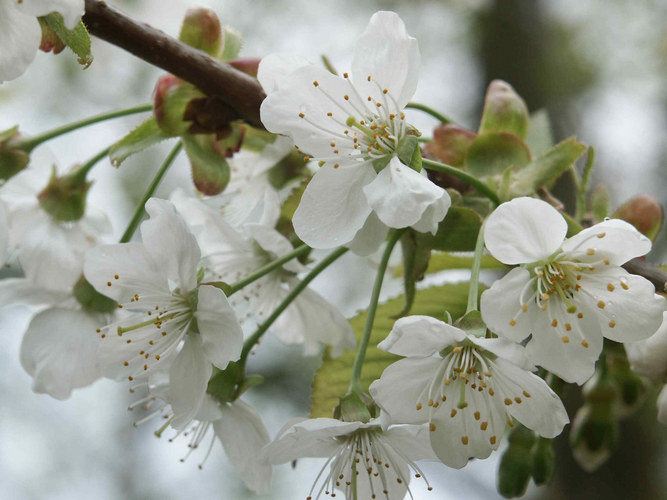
(248, 65)
(450, 144)
(544, 459)
(644, 212)
(516, 463)
(90, 299)
(201, 29)
(64, 198)
(504, 110)
(13, 159)
(51, 42)
(171, 99)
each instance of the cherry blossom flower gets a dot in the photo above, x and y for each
(355, 127)
(155, 284)
(237, 426)
(231, 255)
(20, 33)
(568, 293)
(380, 462)
(467, 388)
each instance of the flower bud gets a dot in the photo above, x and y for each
(171, 99)
(450, 144)
(632, 389)
(516, 463)
(90, 299)
(504, 110)
(201, 29)
(249, 65)
(64, 198)
(544, 459)
(51, 42)
(644, 212)
(13, 159)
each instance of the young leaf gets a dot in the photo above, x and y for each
(333, 377)
(492, 152)
(231, 44)
(147, 134)
(210, 170)
(201, 29)
(540, 138)
(450, 144)
(76, 39)
(504, 110)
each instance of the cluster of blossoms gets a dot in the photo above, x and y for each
(165, 315)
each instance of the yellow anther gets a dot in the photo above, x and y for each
(610, 287)
(492, 440)
(565, 339)
(115, 276)
(369, 78)
(554, 323)
(430, 402)
(346, 97)
(590, 251)
(301, 115)
(444, 398)
(453, 413)
(568, 327)
(491, 391)
(525, 393)
(432, 427)
(345, 75)
(580, 315)
(484, 425)
(419, 406)
(518, 400)
(584, 343)
(624, 285)
(612, 324)
(607, 261)
(316, 83)
(464, 439)
(601, 304)
(477, 415)
(508, 401)
(602, 235)
(524, 307)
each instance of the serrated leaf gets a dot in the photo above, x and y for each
(492, 152)
(457, 232)
(547, 167)
(210, 170)
(77, 39)
(504, 110)
(147, 134)
(333, 377)
(540, 138)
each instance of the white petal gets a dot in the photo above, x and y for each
(4, 236)
(20, 36)
(274, 67)
(71, 10)
(662, 405)
(275, 244)
(614, 239)
(533, 403)
(630, 314)
(399, 389)
(420, 336)
(399, 195)
(434, 214)
(524, 230)
(389, 55)
(501, 305)
(369, 238)
(649, 357)
(59, 351)
(188, 378)
(333, 207)
(23, 291)
(221, 334)
(169, 242)
(412, 441)
(242, 434)
(506, 349)
(137, 272)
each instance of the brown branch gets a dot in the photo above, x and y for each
(240, 92)
(648, 271)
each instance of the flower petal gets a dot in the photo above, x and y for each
(434, 214)
(369, 238)
(221, 334)
(613, 239)
(23, 291)
(333, 207)
(188, 379)
(524, 230)
(632, 311)
(169, 242)
(59, 351)
(387, 54)
(399, 388)
(20, 36)
(501, 305)
(506, 349)
(242, 434)
(412, 441)
(275, 244)
(420, 336)
(649, 357)
(399, 195)
(71, 10)
(274, 67)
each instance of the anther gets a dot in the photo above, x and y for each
(301, 115)
(568, 327)
(612, 324)
(512, 322)
(453, 413)
(492, 440)
(464, 439)
(432, 427)
(419, 406)
(565, 339)
(584, 343)
(610, 287)
(316, 83)
(115, 276)
(484, 425)
(508, 401)
(601, 304)
(624, 285)
(554, 323)
(477, 415)
(590, 251)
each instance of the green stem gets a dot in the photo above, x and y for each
(267, 268)
(473, 290)
(139, 211)
(81, 172)
(355, 379)
(430, 111)
(31, 143)
(464, 176)
(294, 293)
(583, 185)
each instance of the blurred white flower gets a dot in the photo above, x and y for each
(569, 293)
(20, 33)
(379, 462)
(356, 128)
(467, 388)
(155, 283)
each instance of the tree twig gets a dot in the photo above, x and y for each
(242, 93)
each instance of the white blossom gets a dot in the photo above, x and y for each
(568, 293)
(467, 388)
(354, 125)
(21, 35)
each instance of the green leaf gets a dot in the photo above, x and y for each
(492, 152)
(147, 134)
(600, 203)
(547, 167)
(573, 227)
(232, 41)
(210, 170)
(415, 261)
(540, 138)
(457, 232)
(504, 110)
(77, 39)
(333, 377)
(443, 261)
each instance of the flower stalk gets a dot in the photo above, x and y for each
(473, 291)
(464, 176)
